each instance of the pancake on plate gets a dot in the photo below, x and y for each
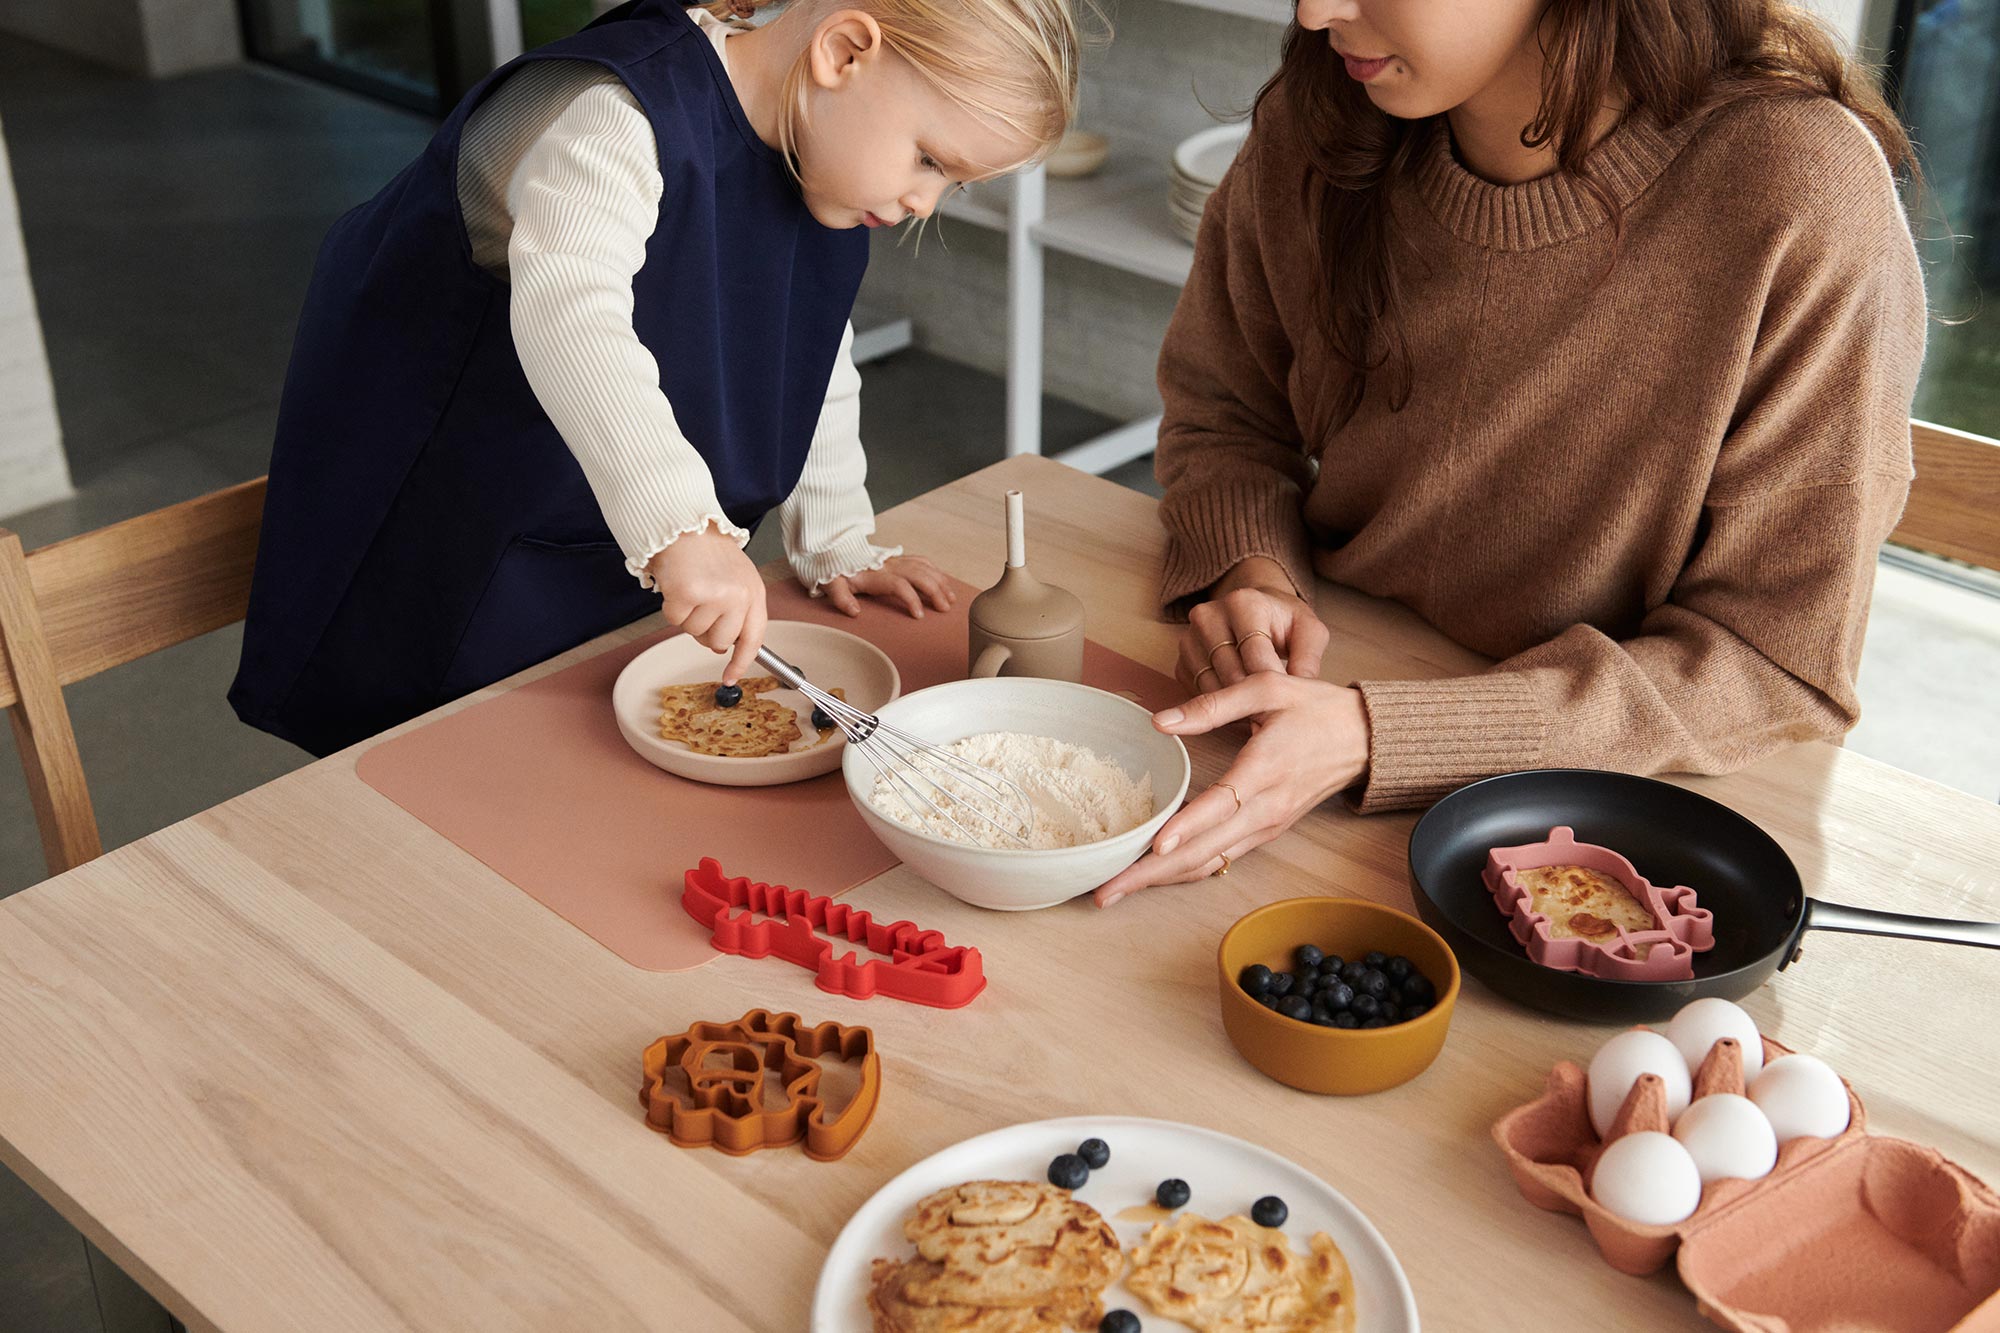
(999, 1256)
(1234, 1276)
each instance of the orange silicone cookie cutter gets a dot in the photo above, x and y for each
(707, 1085)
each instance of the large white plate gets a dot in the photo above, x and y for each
(1226, 1174)
(828, 657)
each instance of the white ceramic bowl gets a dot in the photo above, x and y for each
(1017, 880)
(1202, 159)
(829, 658)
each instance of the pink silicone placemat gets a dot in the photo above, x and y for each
(539, 786)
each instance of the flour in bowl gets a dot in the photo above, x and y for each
(1077, 795)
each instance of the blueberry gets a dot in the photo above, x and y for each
(1418, 989)
(728, 696)
(1281, 984)
(1119, 1321)
(1346, 1019)
(1351, 973)
(1296, 1006)
(1332, 965)
(1268, 1000)
(1254, 979)
(823, 720)
(1398, 968)
(1069, 1172)
(1173, 1193)
(1373, 982)
(1308, 956)
(1094, 1152)
(1269, 1211)
(1338, 996)
(1376, 1023)
(1415, 1011)
(1392, 1012)
(1375, 958)
(1304, 980)
(1364, 1006)
(1324, 1018)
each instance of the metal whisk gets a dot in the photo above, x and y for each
(921, 774)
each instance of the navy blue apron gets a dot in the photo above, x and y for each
(427, 531)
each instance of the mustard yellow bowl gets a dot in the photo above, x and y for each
(1325, 1059)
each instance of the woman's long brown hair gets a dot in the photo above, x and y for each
(1673, 58)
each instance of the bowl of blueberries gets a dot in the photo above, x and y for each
(1337, 995)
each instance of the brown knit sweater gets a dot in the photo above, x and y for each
(1654, 493)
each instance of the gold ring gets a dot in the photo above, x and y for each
(1218, 648)
(1233, 792)
(1253, 634)
(1203, 672)
(1225, 863)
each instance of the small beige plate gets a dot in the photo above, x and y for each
(829, 658)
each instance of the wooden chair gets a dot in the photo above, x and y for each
(1954, 507)
(74, 608)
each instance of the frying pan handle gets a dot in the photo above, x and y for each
(1822, 915)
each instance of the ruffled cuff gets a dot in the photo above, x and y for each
(638, 558)
(1427, 738)
(850, 555)
(1213, 527)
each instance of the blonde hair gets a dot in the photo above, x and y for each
(1011, 63)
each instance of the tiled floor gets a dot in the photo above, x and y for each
(170, 229)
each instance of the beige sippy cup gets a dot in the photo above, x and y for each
(1021, 626)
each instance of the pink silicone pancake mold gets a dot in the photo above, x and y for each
(1683, 929)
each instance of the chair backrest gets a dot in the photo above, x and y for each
(1954, 507)
(77, 607)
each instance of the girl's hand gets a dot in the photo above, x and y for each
(710, 590)
(1311, 741)
(908, 580)
(1254, 623)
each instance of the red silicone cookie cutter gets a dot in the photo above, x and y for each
(920, 967)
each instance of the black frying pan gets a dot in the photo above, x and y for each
(1672, 836)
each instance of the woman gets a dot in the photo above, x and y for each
(1588, 329)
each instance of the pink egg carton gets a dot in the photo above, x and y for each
(1859, 1231)
(1665, 953)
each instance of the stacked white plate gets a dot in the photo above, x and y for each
(1198, 166)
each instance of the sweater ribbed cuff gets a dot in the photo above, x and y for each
(1427, 738)
(1212, 528)
(851, 555)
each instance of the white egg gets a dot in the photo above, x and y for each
(1648, 1178)
(1803, 1098)
(1728, 1137)
(1703, 1023)
(1618, 1065)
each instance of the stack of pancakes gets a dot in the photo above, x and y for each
(998, 1256)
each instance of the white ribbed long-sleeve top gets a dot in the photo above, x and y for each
(559, 184)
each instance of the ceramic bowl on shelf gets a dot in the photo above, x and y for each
(1079, 154)
(1326, 1059)
(1021, 879)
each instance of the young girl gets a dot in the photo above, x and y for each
(556, 371)
(1605, 371)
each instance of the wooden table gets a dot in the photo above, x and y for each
(301, 1063)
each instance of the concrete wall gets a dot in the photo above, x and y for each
(155, 38)
(32, 467)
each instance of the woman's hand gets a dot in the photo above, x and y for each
(1311, 741)
(712, 592)
(1253, 623)
(908, 580)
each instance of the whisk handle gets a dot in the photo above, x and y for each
(787, 674)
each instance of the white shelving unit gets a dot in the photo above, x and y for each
(1116, 217)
